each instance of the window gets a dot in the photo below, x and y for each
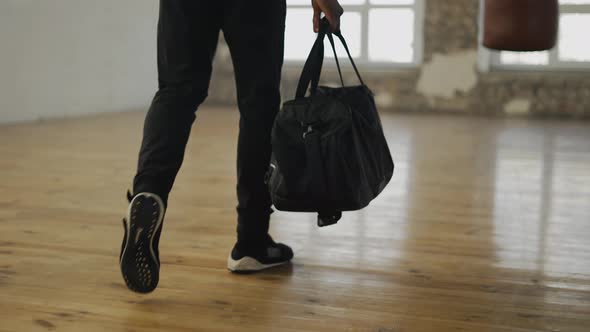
(378, 32)
(572, 50)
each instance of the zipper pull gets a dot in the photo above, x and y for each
(309, 130)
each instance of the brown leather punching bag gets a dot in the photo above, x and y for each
(520, 25)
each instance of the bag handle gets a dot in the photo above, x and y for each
(339, 35)
(313, 65)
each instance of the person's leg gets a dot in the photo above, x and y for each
(187, 37)
(254, 31)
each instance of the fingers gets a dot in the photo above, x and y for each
(334, 22)
(333, 11)
(316, 19)
(337, 13)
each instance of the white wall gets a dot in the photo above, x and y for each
(61, 58)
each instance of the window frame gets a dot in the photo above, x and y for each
(363, 58)
(554, 64)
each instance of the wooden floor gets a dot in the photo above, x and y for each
(485, 227)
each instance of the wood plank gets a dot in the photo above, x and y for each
(483, 228)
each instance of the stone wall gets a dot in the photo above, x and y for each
(448, 80)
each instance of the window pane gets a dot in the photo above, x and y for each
(391, 35)
(299, 2)
(350, 25)
(351, 2)
(574, 2)
(524, 58)
(392, 2)
(573, 37)
(299, 35)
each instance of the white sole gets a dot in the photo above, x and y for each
(248, 264)
(139, 265)
(158, 223)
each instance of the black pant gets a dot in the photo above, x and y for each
(188, 31)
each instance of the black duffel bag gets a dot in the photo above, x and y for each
(329, 151)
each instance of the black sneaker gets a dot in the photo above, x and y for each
(269, 254)
(139, 259)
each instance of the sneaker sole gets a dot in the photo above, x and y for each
(139, 265)
(248, 265)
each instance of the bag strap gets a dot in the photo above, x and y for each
(331, 39)
(343, 41)
(313, 65)
(317, 179)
